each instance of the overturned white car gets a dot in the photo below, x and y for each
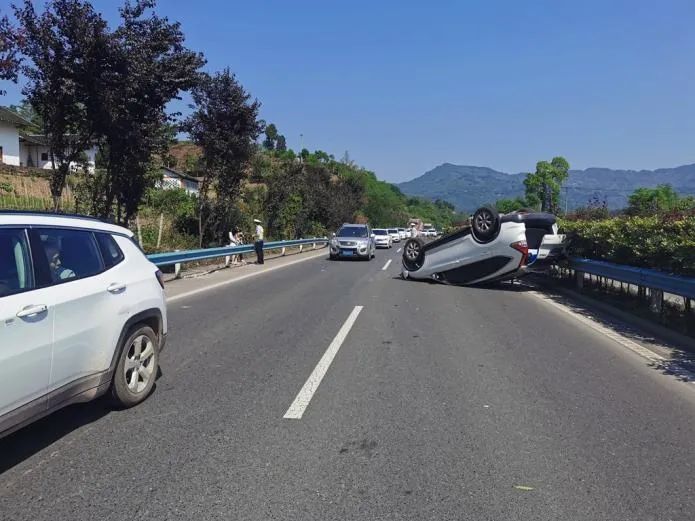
(492, 247)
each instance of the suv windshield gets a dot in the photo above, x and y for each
(393, 230)
(352, 231)
(380, 232)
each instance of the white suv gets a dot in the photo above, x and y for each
(82, 313)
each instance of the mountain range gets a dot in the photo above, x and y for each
(468, 187)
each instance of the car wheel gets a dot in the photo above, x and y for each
(486, 224)
(137, 367)
(413, 254)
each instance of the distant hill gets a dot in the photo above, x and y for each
(468, 187)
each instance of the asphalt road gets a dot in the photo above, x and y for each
(441, 403)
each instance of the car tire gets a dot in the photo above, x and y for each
(137, 367)
(485, 224)
(413, 254)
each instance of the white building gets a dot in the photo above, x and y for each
(174, 179)
(10, 123)
(35, 152)
(31, 150)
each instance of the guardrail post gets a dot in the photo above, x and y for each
(656, 300)
(301, 247)
(177, 269)
(579, 275)
(226, 261)
(313, 245)
(283, 250)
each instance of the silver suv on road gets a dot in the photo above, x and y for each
(353, 240)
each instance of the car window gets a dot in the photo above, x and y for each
(110, 251)
(393, 230)
(71, 254)
(380, 232)
(353, 231)
(15, 262)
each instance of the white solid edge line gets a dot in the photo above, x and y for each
(243, 277)
(388, 262)
(616, 337)
(301, 402)
(398, 250)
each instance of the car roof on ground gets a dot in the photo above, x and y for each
(39, 219)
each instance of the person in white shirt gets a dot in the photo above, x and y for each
(236, 238)
(413, 231)
(259, 241)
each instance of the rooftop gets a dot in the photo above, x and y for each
(10, 116)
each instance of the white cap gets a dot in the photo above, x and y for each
(258, 221)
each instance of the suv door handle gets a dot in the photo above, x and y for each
(32, 310)
(116, 287)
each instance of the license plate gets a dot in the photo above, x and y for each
(346, 253)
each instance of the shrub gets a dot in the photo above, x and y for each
(665, 242)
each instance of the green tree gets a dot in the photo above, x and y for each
(11, 41)
(225, 125)
(651, 201)
(271, 137)
(25, 110)
(510, 205)
(543, 186)
(148, 66)
(65, 45)
(191, 163)
(281, 144)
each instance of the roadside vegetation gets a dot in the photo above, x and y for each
(656, 230)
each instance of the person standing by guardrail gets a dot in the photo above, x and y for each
(236, 238)
(259, 241)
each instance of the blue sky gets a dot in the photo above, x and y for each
(405, 86)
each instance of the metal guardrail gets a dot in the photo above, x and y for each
(180, 257)
(674, 284)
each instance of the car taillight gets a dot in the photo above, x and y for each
(522, 247)
(160, 277)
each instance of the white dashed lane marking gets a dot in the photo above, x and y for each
(301, 402)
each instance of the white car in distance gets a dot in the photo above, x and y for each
(382, 238)
(395, 236)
